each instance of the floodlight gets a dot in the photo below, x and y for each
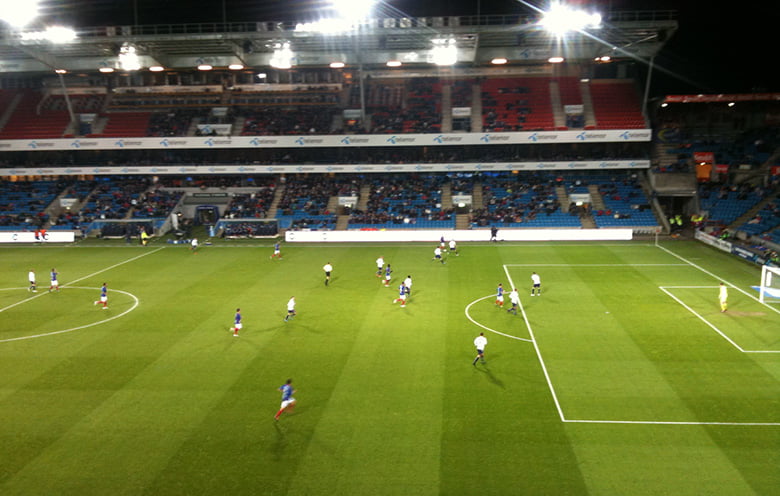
(555, 60)
(205, 67)
(499, 61)
(561, 19)
(106, 70)
(156, 68)
(128, 58)
(353, 9)
(393, 63)
(326, 26)
(60, 71)
(236, 67)
(52, 34)
(282, 57)
(59, 34)
(444, 52)
(336, 65)
(18, 14)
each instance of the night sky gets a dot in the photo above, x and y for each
(714, 50)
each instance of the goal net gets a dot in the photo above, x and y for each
(769, 290)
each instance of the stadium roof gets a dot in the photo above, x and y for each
(480, 39)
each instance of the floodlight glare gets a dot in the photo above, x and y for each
(18, 14)
(353, 9)
(444, 52)
(52, 34)
(282, 57)
(325, 26)
(128, 58)
(561, 19)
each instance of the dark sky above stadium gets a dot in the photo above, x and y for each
(715, 50)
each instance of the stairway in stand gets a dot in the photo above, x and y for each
(342, 222)
(278, 194)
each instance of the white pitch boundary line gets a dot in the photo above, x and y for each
(777, 311)
(468, 316)
(596, 265)
(81, 279)
(710, 324)
(624, 422)
(136, 302)
(538, 352)
(672, 422)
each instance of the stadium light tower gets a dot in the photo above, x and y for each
(18, 14)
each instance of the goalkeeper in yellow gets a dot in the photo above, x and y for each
(723, 296)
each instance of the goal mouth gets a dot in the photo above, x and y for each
(769, 287)
(768, 293)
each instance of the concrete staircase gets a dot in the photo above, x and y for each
(365, 192)
(446, 196)
(595, 198)
(274, 207)
(463, 221)
(563, 198)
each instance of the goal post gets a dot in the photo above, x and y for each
(769, 290)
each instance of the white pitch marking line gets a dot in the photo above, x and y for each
(114, 266)
(701, 318)
(80, 279)
(598, 265)
(718, 278)
(634, 422)
(664, 289)
(64, 331)
(672, 422)
(538, 351)
(468, 316)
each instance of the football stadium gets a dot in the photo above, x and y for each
(377, 251)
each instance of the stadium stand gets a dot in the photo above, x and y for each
(517, 104)
(723, 204)
(616, 105)
(28, 121)
(403, 201)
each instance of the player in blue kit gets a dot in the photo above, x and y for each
(500, 295)
(388, 271)
(236, 323)
(103, 297)
(277, 251)
(288, 402)
(402, 294)
(55, 285)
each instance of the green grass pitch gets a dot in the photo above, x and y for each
(623, 378)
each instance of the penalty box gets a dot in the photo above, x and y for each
(615, 347)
